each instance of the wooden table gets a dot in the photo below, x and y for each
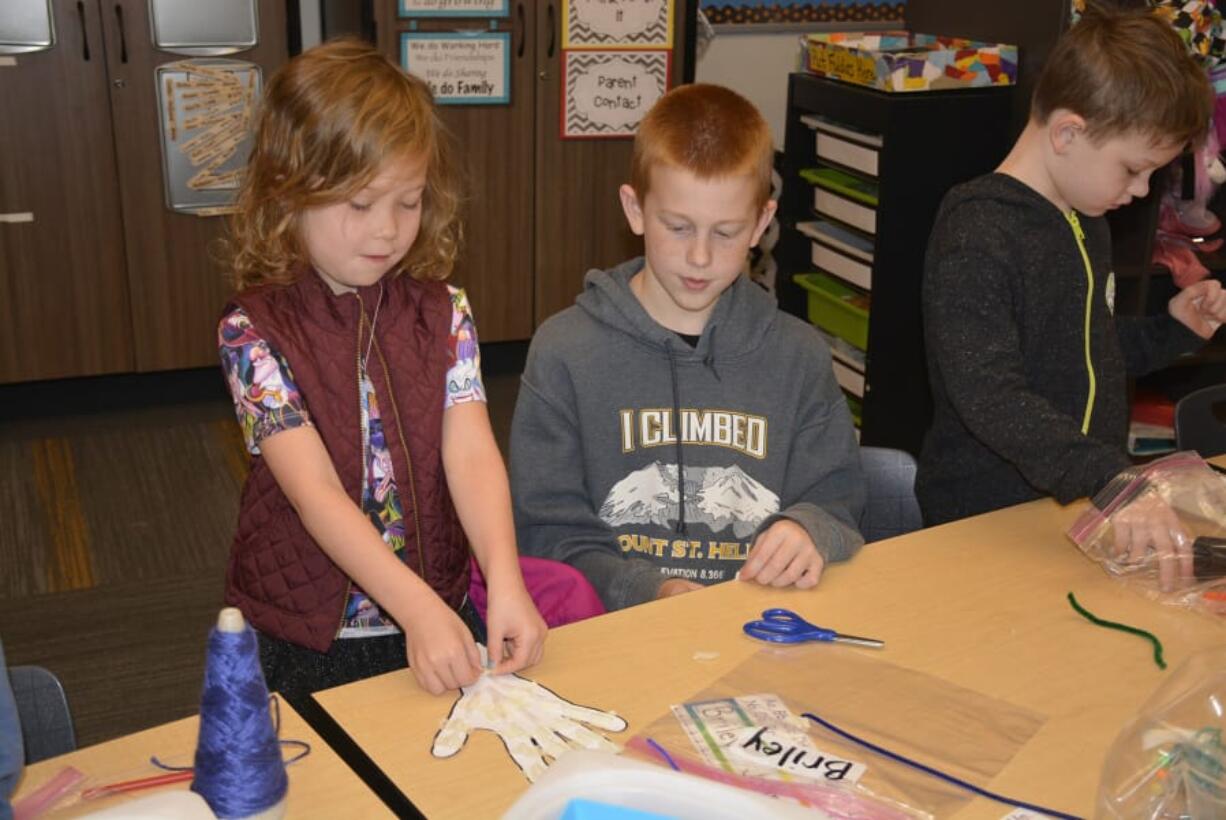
(979, 602)
(320, 785)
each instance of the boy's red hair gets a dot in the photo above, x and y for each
(708, 130)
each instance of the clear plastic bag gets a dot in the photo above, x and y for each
(1170, 762)
(968, 734)
(1193, 573)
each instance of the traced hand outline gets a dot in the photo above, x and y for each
(532, 721)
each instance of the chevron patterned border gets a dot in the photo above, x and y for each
(575, 124)
(656, 35)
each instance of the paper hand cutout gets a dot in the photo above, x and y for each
(533, 723)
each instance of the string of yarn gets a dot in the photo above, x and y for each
(238, 771)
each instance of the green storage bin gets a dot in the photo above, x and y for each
(856, 408)
(841, 182)
(836, 308)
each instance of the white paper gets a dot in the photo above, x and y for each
(618, 23)
(791, 752)
(608, 92)
(453, 8)
(460, 69)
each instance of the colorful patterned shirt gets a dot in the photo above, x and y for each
(267, 401)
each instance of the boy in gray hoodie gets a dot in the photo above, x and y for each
(673, 427)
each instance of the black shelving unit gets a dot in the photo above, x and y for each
(928, 142)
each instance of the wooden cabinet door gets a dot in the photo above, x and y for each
(495, 149)
(579, 219)
(177, 287)
(63, 290)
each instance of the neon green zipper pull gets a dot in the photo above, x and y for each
(1080, 236)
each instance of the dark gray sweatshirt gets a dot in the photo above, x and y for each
(1010, 316)
(635, 457)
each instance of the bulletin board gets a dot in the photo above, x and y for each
(206, 109)
(767, 15)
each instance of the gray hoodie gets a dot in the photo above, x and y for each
(601, 479)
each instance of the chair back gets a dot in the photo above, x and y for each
(890, 508)
(42, 708)
(1200, 421)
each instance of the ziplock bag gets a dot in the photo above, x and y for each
(968, 734)
(1196, 494)
(1170, 761)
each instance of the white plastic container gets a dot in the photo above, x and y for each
(633, 784)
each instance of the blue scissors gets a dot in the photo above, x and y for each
(785, 626)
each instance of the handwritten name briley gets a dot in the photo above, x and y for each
(794, 755)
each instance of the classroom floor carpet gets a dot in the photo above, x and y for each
(115, 523)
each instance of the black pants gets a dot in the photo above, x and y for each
(296, 671)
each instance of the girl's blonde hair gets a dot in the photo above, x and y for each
(329, 120)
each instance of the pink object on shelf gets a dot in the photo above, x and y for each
(1177, 255)
(1187, 218)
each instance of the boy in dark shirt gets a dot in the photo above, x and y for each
(1027, 360)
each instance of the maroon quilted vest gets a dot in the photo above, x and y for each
(280, 578)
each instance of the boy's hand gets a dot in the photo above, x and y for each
(1200, 306)
(784, 556)
(1147, 525)
(675, 586)
(512, 617)
(441, 650)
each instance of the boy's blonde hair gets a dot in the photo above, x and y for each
(708, 130)
(329, 120)
(1126, 72)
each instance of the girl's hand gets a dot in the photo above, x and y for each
(441, 650)
(1201, 307)
(784, 556)
(512, 622)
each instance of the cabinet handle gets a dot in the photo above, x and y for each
(519, 14)
(123, 37)
(553, 30)
(84, 31)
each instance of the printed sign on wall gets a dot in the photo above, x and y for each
(461, 69)
(619, 24)
(606, 93)
(454, 8)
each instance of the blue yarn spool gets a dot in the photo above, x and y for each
(238, 771)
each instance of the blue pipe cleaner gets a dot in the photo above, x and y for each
(949, 778)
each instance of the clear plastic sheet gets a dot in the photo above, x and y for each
(1186, 494)
(968, 734)
(1170, 762)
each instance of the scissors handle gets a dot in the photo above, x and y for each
(785, 626)
(777, 632)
